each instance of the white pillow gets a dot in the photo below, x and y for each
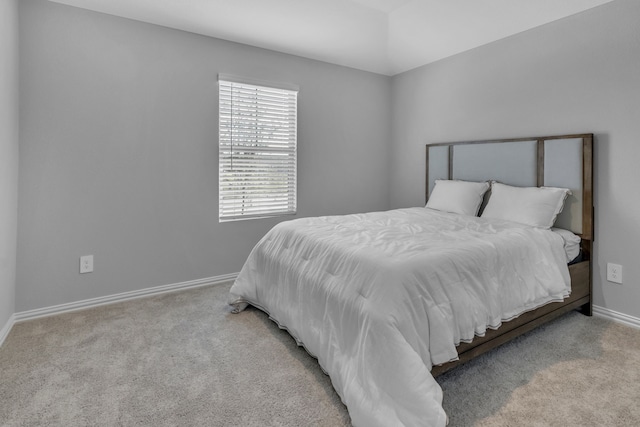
(536, 206)
(462, 197)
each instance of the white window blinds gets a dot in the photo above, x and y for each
(257, 146)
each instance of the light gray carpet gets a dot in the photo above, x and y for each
(183, 359)
(576, 371)
(179, 359)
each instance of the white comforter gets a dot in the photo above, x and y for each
(380, 298)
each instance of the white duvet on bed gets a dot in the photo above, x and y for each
(379, 298)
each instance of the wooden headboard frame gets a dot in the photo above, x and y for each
(587, 222)
(580, 272)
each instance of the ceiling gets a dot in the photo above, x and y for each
(382, 36)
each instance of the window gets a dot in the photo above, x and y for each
(258, 147)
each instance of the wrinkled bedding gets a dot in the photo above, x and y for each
(379, 298)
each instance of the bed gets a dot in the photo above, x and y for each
(387, 300)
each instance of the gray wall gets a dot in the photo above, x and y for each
(579, 74)
(118, 151)
(8, 155)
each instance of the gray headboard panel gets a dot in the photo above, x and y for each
(513, 163)
(555, 161)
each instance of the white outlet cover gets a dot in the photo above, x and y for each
(614, 273)
(86, 264)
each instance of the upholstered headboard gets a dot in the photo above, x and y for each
(556, 161)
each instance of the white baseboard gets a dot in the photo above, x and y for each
(616, 316)
(7, 328)
(125, 296)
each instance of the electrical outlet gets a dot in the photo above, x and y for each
(614, 273)
(86, 264)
